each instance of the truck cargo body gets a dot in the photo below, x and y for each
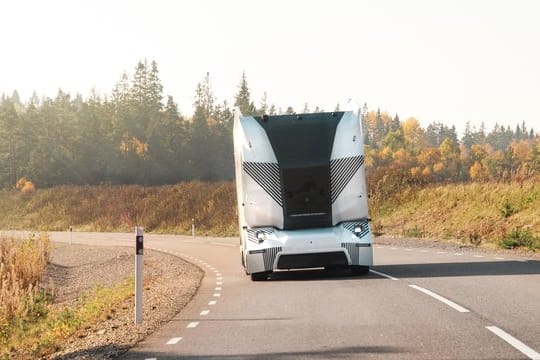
(301, 192)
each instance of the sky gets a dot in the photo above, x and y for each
(437, 61)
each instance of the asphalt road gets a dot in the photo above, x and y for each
(418, 304)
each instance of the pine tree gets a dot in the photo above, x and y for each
(242, 98)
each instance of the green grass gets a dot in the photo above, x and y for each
(40, 336)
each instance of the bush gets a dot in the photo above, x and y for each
(520, 238)
(507, 209)
(414, 232)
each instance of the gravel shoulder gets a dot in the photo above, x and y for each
(169, 284)
(449, 245)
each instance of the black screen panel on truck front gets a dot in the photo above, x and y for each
(303, 146)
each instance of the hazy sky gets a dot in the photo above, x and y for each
(447, 61)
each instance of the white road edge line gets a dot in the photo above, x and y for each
(223, 244)
(441, 299)
(174, 340)
(150, 359)
(192, 325)
(383, 275)
(530, 353)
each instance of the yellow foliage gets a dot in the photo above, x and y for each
(478, 172)
(386, 153)
(429, 156)
(133, 144)
(400, 157)
(478, 152)
(522, 149)
(26, 186)
(426, 172)
(438, 167)
(416, 171)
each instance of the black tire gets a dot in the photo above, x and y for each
(359, 270)
(260, 276)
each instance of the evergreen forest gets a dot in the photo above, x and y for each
(137, 135)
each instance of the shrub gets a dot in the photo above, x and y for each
(520, 238)
(26, 186)
(414, 232)
(507, 209)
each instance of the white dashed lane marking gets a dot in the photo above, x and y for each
(219, 282)
(213, 302)
(527, 351)
(478, 256)
(219, 278)
(441, 299)
(205, 312)
(174, 340)
(192, 325)
(217, 295)
(217, 289)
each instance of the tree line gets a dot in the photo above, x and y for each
(137, 135)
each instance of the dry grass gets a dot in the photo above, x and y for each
(474, 213)
(118, 208)
(22, 263)
(470, 213)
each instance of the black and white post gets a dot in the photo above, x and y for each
(192, 227)
(70, 234)
(139, 251)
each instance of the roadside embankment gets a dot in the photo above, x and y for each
(85, 306)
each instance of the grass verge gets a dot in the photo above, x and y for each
(489, 214)
(35, 337)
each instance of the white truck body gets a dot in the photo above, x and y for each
(301, 191)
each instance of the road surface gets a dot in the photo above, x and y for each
(416, 304)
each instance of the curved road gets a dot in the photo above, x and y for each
(418, 304)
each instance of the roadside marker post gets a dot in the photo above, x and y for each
(70, 234)
(139, 253)
(193, 227)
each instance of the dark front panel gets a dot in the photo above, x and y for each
(302, 261)
(307, 197)
(303, 145)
